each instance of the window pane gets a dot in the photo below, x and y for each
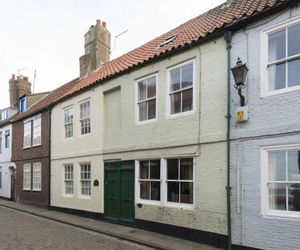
(151, 85)
(277, 46)
(173, 191)
(277, 76)
(142, 90)
(151, 109)
(277, 196)
(144, 171)
(294, 40)
(277, 166)
(187, 100)
(145, 187)
(143, 111)
(155, 190)
(294, 197)
(186, 169)
(155, 169)
(175, 79)
(172, 165)
(187, 75)
(294, 165)
(186, 192)
(293, 73)
(175, 103)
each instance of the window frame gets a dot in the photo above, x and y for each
(7, 139)
(70, 123)
(264, 165)
(30, 177)
(65, 194)
(1, 141)
(264, 88)
(33, 125)
(34, 166)
(81, 195)
(29, 121)
(1, 177)
(138, 180)
(163, 182)
(137, 102)
(88, 100)
(169, 92)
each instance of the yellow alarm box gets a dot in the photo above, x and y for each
(242, 114)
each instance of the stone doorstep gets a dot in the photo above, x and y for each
(138, 236)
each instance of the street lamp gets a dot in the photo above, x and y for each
(239, 72)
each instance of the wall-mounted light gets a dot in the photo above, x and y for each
(239, 72)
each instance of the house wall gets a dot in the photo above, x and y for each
(273, 120)
(30, 155)
(117, 136)
(6, 164)
(80, 148)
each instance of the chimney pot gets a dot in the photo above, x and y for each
(13, 77)
(104, 24)
(98, 22)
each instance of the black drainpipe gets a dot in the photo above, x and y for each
(227, 37)
(49, 157)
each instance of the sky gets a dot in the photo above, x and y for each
(48, 35)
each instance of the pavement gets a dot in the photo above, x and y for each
(120, 232)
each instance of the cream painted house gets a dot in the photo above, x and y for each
(147, 147)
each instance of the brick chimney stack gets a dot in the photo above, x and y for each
(96, 47)
(18, 87)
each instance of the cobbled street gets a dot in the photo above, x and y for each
(26, 232)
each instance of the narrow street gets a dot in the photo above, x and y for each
(20, 231)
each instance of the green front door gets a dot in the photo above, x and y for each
(119, 191)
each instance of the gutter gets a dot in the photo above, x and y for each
(49, 156)
(227, 37)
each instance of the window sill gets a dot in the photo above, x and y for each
(37, 190)
(141, 123)
(26, 189)
(27, 147)
(68, 195)
(182, 114)
(280, 91)
(87, 197)
(282, 215)
(149, 202)
(38, 145)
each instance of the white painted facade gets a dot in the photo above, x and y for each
(116, 135)
(6, 166)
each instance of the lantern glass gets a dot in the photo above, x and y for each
(239, 73)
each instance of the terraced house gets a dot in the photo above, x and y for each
(31, 147)
(136, 139)
(265, 148)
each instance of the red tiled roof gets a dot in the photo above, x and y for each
(187, 33)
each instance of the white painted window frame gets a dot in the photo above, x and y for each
(65, 194)
(163, 188)
(137, 113)
(25, 123)
(168, 97)
(37, 168)
(27, 169)
(264, 88)
(87, 100)
(37, 131)
(138, 187)
(70, 109)
(264, 180)
(81, 180)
